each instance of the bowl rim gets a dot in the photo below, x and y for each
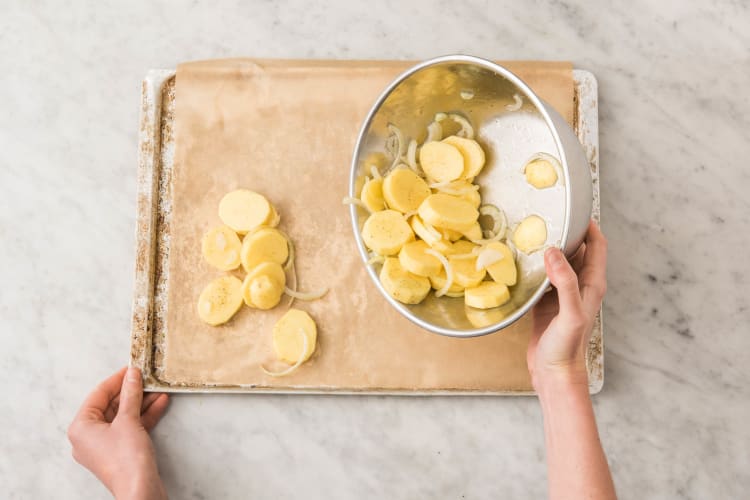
(541, 107)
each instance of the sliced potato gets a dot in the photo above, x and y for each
(386, 232)
(465, 272)
(220, 300)
(406, 287)
(503, 271)
(448, 212)
(473, 232)
(264, 245)
(287, 341)
(372, 195)
(244, 210)
(472, 153)
(220, 247)
(487, 295)
(531, 234)
(441, 161)
(540, 173)
(414, 259)
(264, 286)
(451, 235)
(404, 190)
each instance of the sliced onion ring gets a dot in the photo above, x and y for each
(434, 132)
(296, 365)
(488, 257)
(517, 103)
(448, 271)
(348, 200)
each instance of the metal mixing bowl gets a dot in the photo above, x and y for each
(482, 91)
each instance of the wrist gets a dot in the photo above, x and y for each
(144, 484)
(557, 379)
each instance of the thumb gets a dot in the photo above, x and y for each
(131, 394)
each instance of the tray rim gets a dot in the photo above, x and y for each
(149, 165)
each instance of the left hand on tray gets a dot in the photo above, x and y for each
(110, 435)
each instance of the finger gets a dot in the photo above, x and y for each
(563, 277)
(593, 276)
(131, 394)
(576, 262)
(96, 403)
(153, 414)
(148, 400)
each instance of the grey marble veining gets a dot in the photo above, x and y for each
(675, 138)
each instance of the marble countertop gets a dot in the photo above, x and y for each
(675, 138)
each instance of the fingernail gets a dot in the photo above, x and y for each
(133, 374)
(555, 258)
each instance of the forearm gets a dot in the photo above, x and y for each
(577, 465)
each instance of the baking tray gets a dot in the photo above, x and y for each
(156, 155)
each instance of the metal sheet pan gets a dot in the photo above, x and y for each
(156, 149)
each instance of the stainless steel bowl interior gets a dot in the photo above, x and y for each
(482, 92)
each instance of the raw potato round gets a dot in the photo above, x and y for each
(473, 232)
(465, 272)
(220, 247)
(441, 162)
(386, 232)
(531, 234)
(264, 245)
(448, 212)
(487, 295)
(372, 195)
(287, 342)
(404, 190)
(503, 271)
(451, 235)
(244, 210)
(540, 173)
(264, 286)
(406, 287)
(413, 258)
(472, 153)
(220, 300)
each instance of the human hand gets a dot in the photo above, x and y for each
(110, 436)
(563, 319)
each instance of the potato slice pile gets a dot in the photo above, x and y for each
(261, 253)
(249, 238)
(424, 221)
(424, 227)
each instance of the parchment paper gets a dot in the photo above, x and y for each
(286, 129)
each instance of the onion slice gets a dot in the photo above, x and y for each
(434, 132)
(467, 130)
(398, 149)
(348, 200)
(305, 295)
(431, 229)
(517, 103)
(487, 257)
(375, 172)
(448, 271)
(411, 156)
(296, 365)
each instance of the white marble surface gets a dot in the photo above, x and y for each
(675, 141)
